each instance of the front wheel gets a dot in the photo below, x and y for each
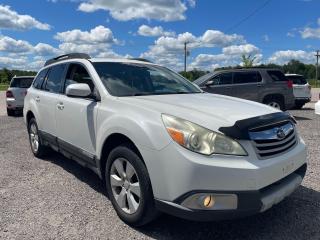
(129, 187)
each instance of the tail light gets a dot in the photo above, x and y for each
(309, 87)
(9, 94)
(25, 93)
(290, 84)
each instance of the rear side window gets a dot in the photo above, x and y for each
(21, 82)
(246, 77)
(40, 78)
(277, 76)
(299, 80)
(54, 78)
(222, 79)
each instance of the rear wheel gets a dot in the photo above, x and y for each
(10, 112)
(129, 187)
(275, 102)
(38, 149)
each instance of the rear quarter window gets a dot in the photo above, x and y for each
(277, 76)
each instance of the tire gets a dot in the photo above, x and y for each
(10, 112)
(275, 102)
(125, 188)
(299, 106)
(35, 140)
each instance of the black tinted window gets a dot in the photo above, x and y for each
(78, 74)
(21, 82)
(299, 80)
(246, 77)
(222, 79)
(55, 74)
(277, 76)
(40, 78)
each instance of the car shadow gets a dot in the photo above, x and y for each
(299, 118)
(82, 173)
(296, 217)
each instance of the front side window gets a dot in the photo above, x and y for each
(246, 77)
(222, 79)
(54, 78)
(37, 83)
(21, 82)
(133, 79)
(78, 74)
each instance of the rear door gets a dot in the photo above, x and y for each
(301, 88)
(247, 85)
(47, 101)
(76, 117)
(219, 84)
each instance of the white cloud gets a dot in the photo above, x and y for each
(169, 50)
(99, 34)
(266, 38)
(124, 10)
(148, 31)
(10, 19)
(282, 57)
(240, 49)
(44, 49)
(309, 32)
(8, 44)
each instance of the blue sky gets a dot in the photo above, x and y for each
(217, 32)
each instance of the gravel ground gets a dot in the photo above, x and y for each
(58, 199)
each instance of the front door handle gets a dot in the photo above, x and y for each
(38, 99)
(60, 106)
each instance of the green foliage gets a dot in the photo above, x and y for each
(6, 75)
(247, 61)
(194, 74)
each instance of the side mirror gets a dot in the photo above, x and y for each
(78, 90)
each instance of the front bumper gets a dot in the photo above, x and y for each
(249, 202)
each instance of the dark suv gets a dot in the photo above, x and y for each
(268, 86)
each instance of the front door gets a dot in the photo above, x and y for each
(76, 118)
(219, 84)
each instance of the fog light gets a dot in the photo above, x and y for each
(208, 201)
(211, 201)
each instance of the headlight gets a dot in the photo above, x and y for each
(200, 139)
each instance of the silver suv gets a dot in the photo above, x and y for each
(268, 86)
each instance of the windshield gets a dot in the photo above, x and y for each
(21, 82)
(132, 79)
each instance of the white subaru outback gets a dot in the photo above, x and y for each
(160, 143)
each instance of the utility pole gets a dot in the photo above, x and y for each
(185, 57)
(317, 66)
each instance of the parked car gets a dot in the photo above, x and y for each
(160, 143)
(268, 86)
(317, 106)
(16, 93)
(301, 89)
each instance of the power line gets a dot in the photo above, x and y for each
(249, 16)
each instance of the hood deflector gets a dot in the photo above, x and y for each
(241, 128)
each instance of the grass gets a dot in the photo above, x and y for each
(3, 87)
(313, 83)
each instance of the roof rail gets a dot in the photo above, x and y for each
(141, 59)
(67, 56)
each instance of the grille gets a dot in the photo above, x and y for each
(274, 139)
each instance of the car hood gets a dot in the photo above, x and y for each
(209, 110)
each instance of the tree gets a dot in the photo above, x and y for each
(247, 61)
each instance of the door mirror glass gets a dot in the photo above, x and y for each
(78, 90)
(209, 83)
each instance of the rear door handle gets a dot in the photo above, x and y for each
(38, 99)
(60, 106)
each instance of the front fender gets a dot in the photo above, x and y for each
(142, 131)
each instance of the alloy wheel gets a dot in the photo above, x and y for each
(34, 137)
(274, 104)
(125, 185)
